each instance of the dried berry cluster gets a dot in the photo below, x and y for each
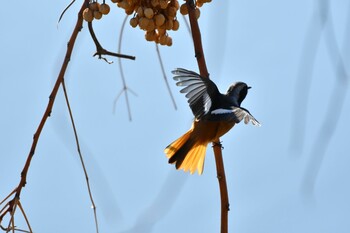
(155, 17)
(95, 10)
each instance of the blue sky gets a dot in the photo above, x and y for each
(263, 43)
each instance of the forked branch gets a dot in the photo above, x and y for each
(11, 206)
(101, 51)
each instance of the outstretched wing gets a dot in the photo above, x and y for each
(201, 92)
(237, 114)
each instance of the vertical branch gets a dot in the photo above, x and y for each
(220, 170)
(198, 49)
(197, 39)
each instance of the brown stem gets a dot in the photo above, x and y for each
(25, 216)
(198, 49)
(101, 51)
(80, 154)
(225, 206)
(197, 40)
(71, 42)
(52, 97)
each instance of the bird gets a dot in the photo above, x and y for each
(214, 115)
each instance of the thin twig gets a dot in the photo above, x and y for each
(20, 230)
(121, 68)
(13, 223)
(13, 211)
(25, 217)
(64, 11)
(125, 88)
(101, 51)
(13, 191)
(3, 228)
(13, 203)
(165, 77)
(198, 48)
(80, 154)
(4, 211)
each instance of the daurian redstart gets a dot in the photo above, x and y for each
(215, 114)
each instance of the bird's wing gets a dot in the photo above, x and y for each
(201, 92)
(236, 114)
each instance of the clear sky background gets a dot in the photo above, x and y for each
(277, 182)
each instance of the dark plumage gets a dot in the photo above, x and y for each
(215, 114)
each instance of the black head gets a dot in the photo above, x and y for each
(238, 91)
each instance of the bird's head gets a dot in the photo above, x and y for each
(238, 91)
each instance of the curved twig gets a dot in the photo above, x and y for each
(101, 51)
(64, 11)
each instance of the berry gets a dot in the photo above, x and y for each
(104, 8)
(88, 15)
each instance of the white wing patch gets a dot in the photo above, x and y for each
(240, 114)
(221, 111)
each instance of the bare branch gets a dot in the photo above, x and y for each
(25, 217)
(80, 154)
(197, 39)
(13, 203)
(13, 191)
(198, 48)
(165, 77)
(64, 11)
(125, 88)
(225, 205)
(101, 51)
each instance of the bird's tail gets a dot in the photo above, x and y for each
(187, 154)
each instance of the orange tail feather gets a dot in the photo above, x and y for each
(186, 153)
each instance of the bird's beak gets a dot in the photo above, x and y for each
(249, 87)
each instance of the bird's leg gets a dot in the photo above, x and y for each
(217, 143)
